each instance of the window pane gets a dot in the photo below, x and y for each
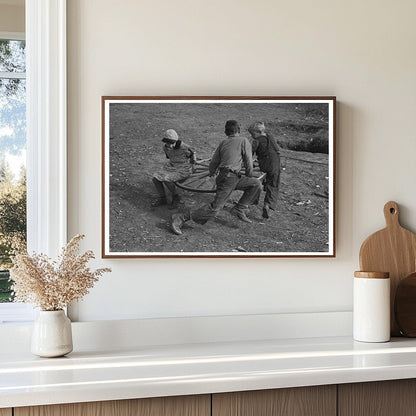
(12, 56)
(12, 174)
(5, 292)
(12, 119)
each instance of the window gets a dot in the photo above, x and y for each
(46, 135)
(12, 165)
(12, 153)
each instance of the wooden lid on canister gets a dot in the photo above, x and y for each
(372, 275)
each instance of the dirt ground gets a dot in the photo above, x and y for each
(300, 223)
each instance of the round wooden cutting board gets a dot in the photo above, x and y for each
(405, 306)
(393, 250)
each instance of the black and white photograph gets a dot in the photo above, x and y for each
(218, 176)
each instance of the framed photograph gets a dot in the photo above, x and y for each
(218, 177)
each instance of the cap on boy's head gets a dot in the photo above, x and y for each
(170, 136)
(232, 127)
(257, 126)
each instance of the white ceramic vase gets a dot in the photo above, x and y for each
(52, 334)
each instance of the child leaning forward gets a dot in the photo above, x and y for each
(180, 166)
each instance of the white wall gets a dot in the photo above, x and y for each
(363, 52)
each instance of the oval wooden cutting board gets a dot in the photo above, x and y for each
(393, 250)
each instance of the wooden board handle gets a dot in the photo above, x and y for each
(391, 214)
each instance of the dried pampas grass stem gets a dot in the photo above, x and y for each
(53, 285)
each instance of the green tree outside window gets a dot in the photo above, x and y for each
(12, 156)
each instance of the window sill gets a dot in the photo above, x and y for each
(16, 313)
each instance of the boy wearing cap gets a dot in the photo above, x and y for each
(268, 156)
(232, 154)
(180, 166)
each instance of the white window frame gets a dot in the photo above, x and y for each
(46, 133)
(14, 312)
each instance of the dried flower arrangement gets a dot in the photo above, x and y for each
(53, 285)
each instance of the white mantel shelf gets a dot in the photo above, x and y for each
(151, 371)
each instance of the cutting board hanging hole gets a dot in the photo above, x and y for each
(391, 213)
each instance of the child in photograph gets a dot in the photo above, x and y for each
(268, 156)
(232, 155)
(180, 166)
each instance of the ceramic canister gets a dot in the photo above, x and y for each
(371, 310)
